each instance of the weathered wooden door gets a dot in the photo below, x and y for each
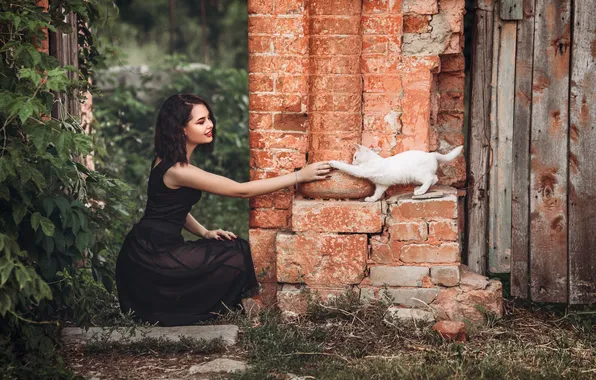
(532, 147)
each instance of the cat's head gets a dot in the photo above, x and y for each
(363, 154)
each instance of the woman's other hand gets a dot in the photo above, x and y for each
(219, 235)
(314, 172)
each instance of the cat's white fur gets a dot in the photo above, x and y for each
(413, 166)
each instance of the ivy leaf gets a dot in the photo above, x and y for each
(33, 54)
(5, 270)
(27, 73)
(82, 241)
(38, 179)
(22, 276)
(69, 240)
(65, 220)
(18, 213)
(47, 226)
(25, 112)
(59, 240)
(44, 290)
(38, 137)
(48, 205)
(83, 143)
(75, 224)
(63, 205)
(82, 168)
(6, 168)
(61, 145)
(27, 54)
(82, 218)
(77, 203)
(4, 192)
(25, 176)
(35, 220)
(17, 21)
(48, 244)
(57, 83)
(5, 303)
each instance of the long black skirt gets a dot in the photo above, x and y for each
(166, 280)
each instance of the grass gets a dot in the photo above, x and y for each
(347, 340)
(350, 340)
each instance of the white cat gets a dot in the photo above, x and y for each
(413, 166)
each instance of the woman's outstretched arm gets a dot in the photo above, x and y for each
(190, 176)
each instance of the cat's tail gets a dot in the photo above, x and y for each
(449, 156)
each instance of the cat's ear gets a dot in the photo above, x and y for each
(361, 147)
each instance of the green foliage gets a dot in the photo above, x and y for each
(206, 31)
(126, 124)
(54, 211)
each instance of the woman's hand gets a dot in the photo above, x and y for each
(219, 235)
(314, 172)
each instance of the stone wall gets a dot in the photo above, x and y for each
(325, 75)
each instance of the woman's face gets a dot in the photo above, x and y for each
(199, 128)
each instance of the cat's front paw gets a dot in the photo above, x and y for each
(419, 191)
(371, 199)
(333, 163)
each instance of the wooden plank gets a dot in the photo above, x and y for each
(582, 167)
(521, 154)
(512, 9)
(65, 48)
(549, 151)
(479, 135)
(500, 245)
(485, 5)
(494, 138)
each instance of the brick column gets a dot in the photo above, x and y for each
(335, 94)
(278, 77)
(381, 59)
(335, 88)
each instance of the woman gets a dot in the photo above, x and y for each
(162, 278)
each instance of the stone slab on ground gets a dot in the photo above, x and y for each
(415, 315)
(218, 365)
(77, 335)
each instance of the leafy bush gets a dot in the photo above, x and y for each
(55, 213)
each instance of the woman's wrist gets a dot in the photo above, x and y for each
(297, 177)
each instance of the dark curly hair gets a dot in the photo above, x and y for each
(175, 113)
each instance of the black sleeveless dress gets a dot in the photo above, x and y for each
(169, 281)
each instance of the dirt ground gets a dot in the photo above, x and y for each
(353, 341)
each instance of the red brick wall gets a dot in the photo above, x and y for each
(323, 76)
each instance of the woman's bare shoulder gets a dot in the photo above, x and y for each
(189, 175)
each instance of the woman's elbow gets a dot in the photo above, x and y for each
(242, 191)
(241, 194)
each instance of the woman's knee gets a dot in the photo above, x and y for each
(243, 244)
